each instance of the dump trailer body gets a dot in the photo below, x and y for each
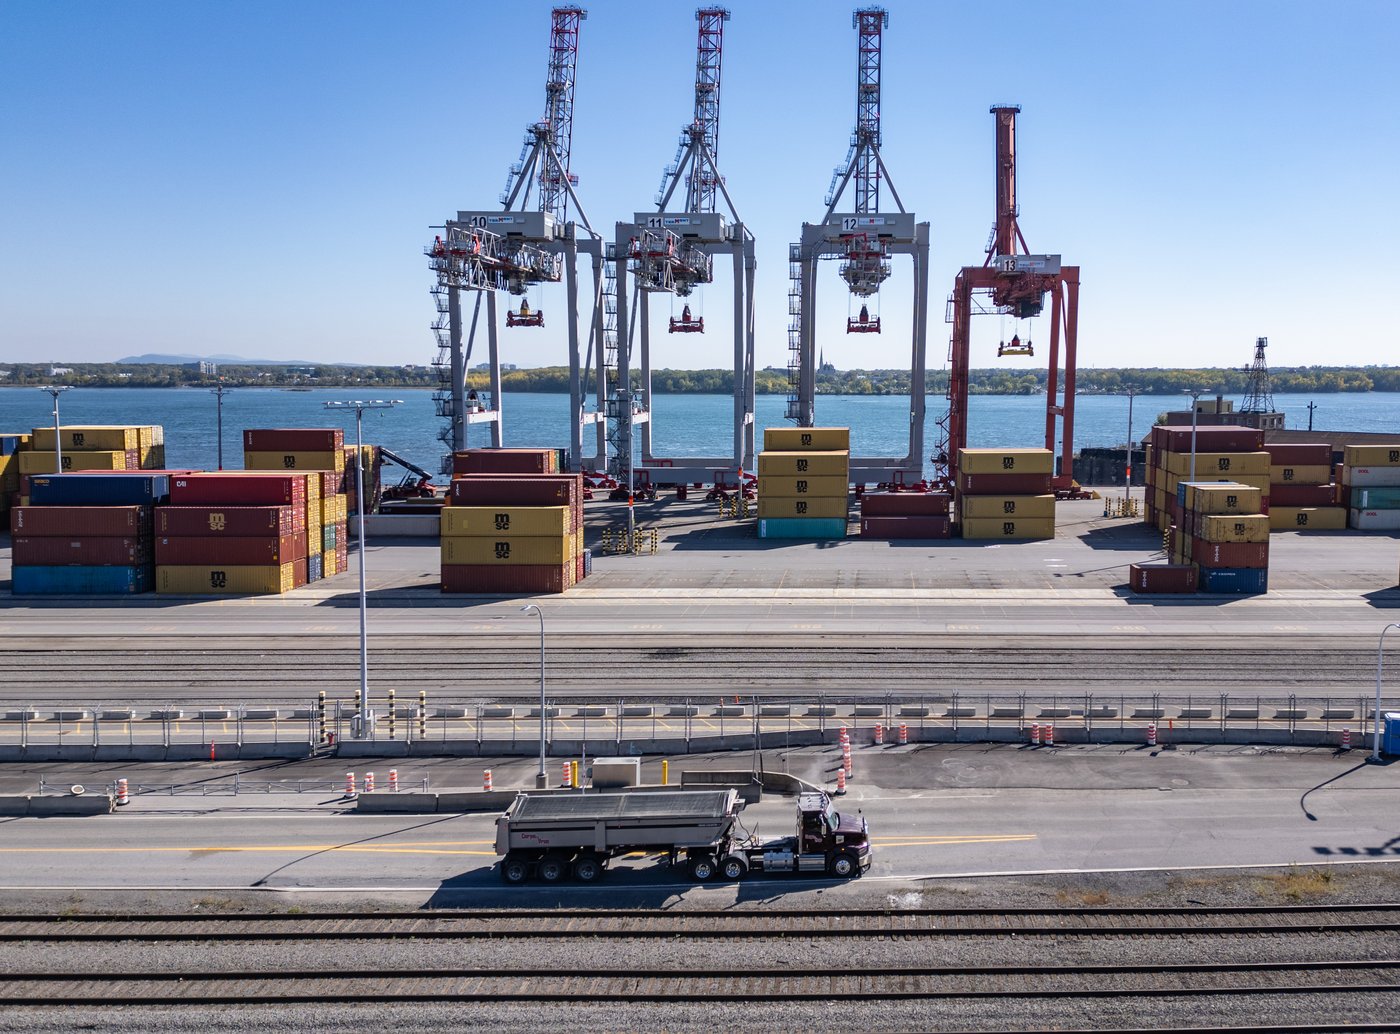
(616, 823)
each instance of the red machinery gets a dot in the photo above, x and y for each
(1017, 283)
(526, 317)
(686, 325)
(863, 324)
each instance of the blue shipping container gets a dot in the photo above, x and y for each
(1390, 733)
(133, 489)
(1235, 580)
(315, 568)
(587, 562)
(81, 581)
(802, 528)
(9, 444)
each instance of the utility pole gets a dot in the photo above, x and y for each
(1311, 407)
(1128, 456)
(219, 394)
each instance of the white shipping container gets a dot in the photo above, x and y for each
(1371, 477)
(1375, 520)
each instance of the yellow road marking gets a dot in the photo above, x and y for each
(990, 838)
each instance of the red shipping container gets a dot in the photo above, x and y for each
(1230, 554)
(81, 521)
(1162, 578)
(235, 551)
(1302, 495)
(227, 520)
(1318, 455)
(502, 461)
(904, 504)
(911, 527)
(518, 490)
(505, 579)
(1004, 484)
(52, 551)
(300, 571)
(294, 439)
(245, 489)
(1177, 438)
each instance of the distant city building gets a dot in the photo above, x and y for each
(204, 368)
(4, 373)
(1221, 411)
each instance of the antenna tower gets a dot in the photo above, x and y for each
(1259, 395)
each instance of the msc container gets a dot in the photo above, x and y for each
(1209, 464)
(239, 489)
(519, 520)
(80, 521)
(816, 439)
(47, 462)
(1006, 461)
(1219, 497)
(802, 527)
(1300, 474)
(1375, 520)
(1008, 528)
(1364, 477)
(1229, 554)
(1003, 484)
(262, 551)
(905, 504)
(1301, 455)
(99, 489)
(1308, 518)
(815, 486)
(902, 527)
(1177, 438)
(1375, 498)
(1302, 495)
(505, 461)
(517, 490)
(295, 439)
(804, 464)
(1238, 528)
(302, 460)
(1162, 578)
(81, 552)
(1000, 506)
(80, 581)
(1235, 580)
(1385, 455)
(225, 579)
(801, 506)
(524, 578)
(92, 438)
(507, 550)
(219, 521)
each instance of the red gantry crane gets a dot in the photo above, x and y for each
(1016, 284)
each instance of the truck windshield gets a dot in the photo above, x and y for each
(833, 817)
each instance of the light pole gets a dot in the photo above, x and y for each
(219, 394)
(541, 777)
(1194, 396)
(359, 407)
(56, 391)
(1375, 757)
(1128, 461)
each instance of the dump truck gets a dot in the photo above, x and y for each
(560, 836)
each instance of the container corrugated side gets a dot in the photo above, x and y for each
(80, 521)
(315, 569)
(1003, 506)
(1003, 484)
(1300, 454)
(507, 550)
(804, 464)
(518, 579)
(1177, 438)
(816, 528)
(802, 506)
(905, 527)
(244, 489)
(505, 461)
(1302, 495)
(1308, 518)
(518, 520)
(517, 490)
(1370, 477)
(47, 462)
(309, 461)
(1375, 498)
(91, 551)
(1299, 474)
(905, 504)
(99, 489)
(87, 438)
(1380, 455)
(240, 551)
(224, 579)
(1237, 528)
(1228, 554)
(985, 528)
(295, 439)
(1006, 461)
(1375, 520)
(1213, 464)
(1219, 497)
(812, 487)
(215, 521)
(817, 439)
(80, 581)
(1175, 579)
(1241, 581)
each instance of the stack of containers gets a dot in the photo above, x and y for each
(1301, 493)
(1224, 535)
(10, 446)
(512, 524)
(321, 452)
(373, 466)
(905, 515)
(94, 447)
(803, 482)
(1226, 453)
(1370, 486)
(86, 535)
(236, 533)
(1005, 493)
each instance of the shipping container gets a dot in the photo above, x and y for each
(295, 439)
(1386, 455)
(315, 569)
(1302, 495)
(1370, 477)
(47, 462)
(80, 581)
(1006, 461)
(906, 527)
(905, 504)
(1213, 464)
(1375, 520)
(813, 486)
(328, 539)
(91, 551)
(802, 506)
(802, 528)
(1219, 497)
(1177, 438)
(239, 489)
(98, 489)
(518, 579)
(1229, 554)
(81, 521)
(519, 520)
(804, 464)
(1312, 455)
(330, 565)
(1240, 581)
(1375, 498)
(504, 461)
(502, 549)
(517, 490)
(93, 438)
(224, 579)
(300, 572)
(217, 521)
(9, 473)
(981, 528)
(1308, 518)
(237, 550)
(1238, 528)
(1003, 484)
(311, 461)
(816, 439)
(1001, 506)
(1287, 474)
(1162, 578)
(12, 443)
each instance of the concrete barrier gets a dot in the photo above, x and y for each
(1291, 714)
(215, 714)
(1102, 712)
(87, 804)
(260, 714)
(821, 711)
(775, 710)
(21, 716)
(1007, 712)
(1196, 713)
(549, 712)
(867, 710)
(914, 711)
(1053, 712)
(477, 800)
(1251, 713)
(682, 711)
(745, 781)
(960, 712)
(729, 711)
(450, 712)
(1149, 712)
(502, 712)
(590, 711)
(1339, 714)
(71, 716)
(397, 803)
(117, 715)
(637, 710)
(167, 714)
(14, 807)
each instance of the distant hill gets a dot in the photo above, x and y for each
(153, 359)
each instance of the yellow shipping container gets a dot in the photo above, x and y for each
(818, 487)
(47, 462)
(801, 506)
(817, 439)
(1239, 528)
(803, 464)
(328, 565)
(1308, 518)
(1316, 474)
(1001, 506)
(501, 549)
(1225, 498)
(93, 438)
(1008, 528)
(145, 437)
(552, 521)
(1006, 461)
(342, 508)
(153, 457)
(332, 459)
(199, 581)
(1214, 464)
(1259, 481)
(9, 473)
(1386, 455)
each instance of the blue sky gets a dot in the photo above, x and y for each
(259, 178)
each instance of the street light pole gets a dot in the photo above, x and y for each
(359, 407)
(1375, 757)
(541, 777)
(1128, 464)
(219, 394)
(1194, 396)
(56, 391)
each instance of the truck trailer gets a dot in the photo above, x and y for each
(557, 836)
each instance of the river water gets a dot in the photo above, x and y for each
(685, 425)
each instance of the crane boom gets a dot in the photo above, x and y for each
(701, 183)
(559, 108)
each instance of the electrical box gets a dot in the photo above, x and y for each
(536, 226)
(701, 226)
(896, 225)
(1048, 264)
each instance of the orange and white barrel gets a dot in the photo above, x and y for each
(1049, 734)
(840, 780)
(1152, 734)
(486, 780)
(122, 795)
(349, 784)
(903, 734)
(393, 780)
(879, 733)
(1035, 734)
(369, 782)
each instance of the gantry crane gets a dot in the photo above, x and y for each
(670, 252)
(1016, 283)
(515, 249)
(863, 239)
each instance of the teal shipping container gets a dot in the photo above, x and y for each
(1375, 498)
(328, 538)
(802, 528)
(29, 580)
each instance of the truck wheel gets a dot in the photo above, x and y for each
(733, 868)
(514, 870)
(552, 870)
(844, 866)
(702, 868)
(588, 869)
